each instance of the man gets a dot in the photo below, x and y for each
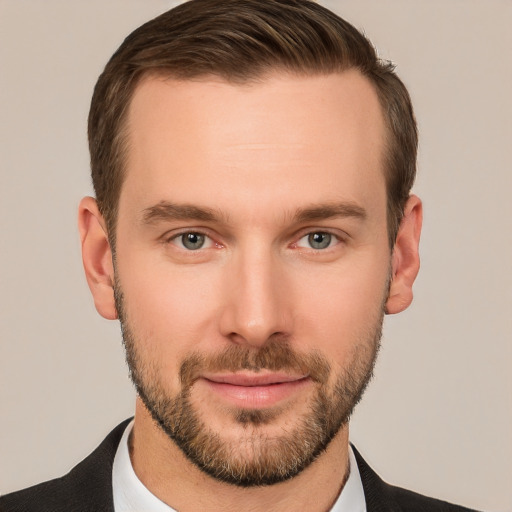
(252, 162)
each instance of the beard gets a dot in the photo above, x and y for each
(256, 458)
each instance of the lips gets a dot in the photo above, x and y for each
(253, 379)
(255, 391)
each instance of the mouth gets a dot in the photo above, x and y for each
(254, 391)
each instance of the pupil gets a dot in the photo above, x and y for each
(319, 240)
(193, 240)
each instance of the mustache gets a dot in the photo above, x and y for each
(276, 355)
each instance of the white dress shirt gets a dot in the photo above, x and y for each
(130, 494)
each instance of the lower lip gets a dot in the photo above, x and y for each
(256, 397)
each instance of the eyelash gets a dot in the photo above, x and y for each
(177, 236)
(333, 240)
(333, 237)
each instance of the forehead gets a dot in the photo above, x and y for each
(196, 140)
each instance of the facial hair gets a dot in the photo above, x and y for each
(257, 459)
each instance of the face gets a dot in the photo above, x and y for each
(252, 264)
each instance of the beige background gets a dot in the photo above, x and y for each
(438, 417)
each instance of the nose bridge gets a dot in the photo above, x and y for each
(255, 309)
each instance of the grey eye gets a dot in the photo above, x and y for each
(319, 240)
(192, 241)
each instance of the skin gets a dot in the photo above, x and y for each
(254, 154)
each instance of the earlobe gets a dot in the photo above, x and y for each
(405, 262)
(97, 257)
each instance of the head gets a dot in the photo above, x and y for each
(252, 162)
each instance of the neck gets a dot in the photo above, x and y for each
(163, 468)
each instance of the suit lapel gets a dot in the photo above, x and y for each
(376, 491)
(92, 478)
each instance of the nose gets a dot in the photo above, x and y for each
(256, 306)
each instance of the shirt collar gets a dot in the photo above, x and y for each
(130, 494)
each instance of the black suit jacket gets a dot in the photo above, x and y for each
(88, 488)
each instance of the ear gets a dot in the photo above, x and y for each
(405, 260)
(97, 257)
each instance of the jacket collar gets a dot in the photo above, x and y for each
(376, 492)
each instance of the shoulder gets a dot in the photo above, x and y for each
(86, 488)
(382, 496)
(409, 500)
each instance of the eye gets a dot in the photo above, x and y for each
(192, 241)
(317, 240)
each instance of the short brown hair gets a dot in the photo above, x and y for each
(240, 40)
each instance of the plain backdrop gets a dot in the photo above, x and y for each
(438, 416)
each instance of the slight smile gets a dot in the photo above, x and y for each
(255, 391)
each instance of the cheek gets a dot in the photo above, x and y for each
(342, 308)
(169, 310)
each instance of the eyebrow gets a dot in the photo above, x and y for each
(330, 211)
(167, 211)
